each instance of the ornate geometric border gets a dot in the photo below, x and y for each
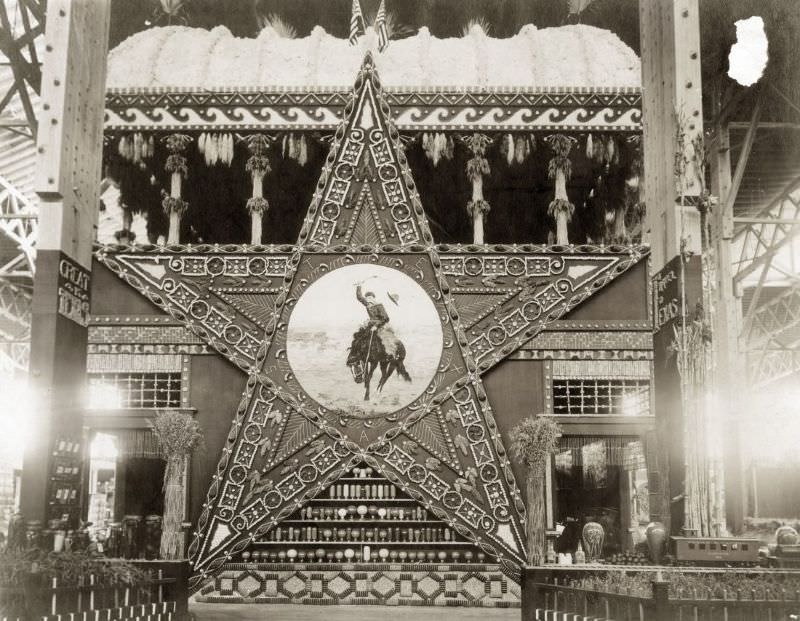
(422, 110)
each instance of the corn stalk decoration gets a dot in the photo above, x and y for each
(533, 441)
(257, 165)
(178, 434)
(704, 504)
(560, 169)
(173, 204)
(477, 167)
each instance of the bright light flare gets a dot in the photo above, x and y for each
(104, 396)
(15, 418)
(748, 56)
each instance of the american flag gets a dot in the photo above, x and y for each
(380, 26)
(356, 23)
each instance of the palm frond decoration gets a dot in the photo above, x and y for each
(480, 22)
(281, 27)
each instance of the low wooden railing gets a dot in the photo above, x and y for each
(162, 595)
(555, 594)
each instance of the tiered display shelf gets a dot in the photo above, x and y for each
(362, 518)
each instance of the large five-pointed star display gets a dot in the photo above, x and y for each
(365, 298)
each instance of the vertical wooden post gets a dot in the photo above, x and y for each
(258, 166)
(174, 205)
(671, 104)
(477, 167)
(663, 611)
(70, 144)
(532, 597)
(670, 41)
(727, 319)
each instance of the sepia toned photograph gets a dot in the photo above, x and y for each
(399, 309)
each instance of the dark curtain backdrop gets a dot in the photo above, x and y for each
(519, 193)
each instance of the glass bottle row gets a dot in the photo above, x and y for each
(360, 534)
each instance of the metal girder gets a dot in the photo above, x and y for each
(771, 365)
(18, 224)
(15, 326)
(775, 318)
(759, 242)
(23, 59)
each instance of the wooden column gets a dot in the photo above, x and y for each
(730, 368)
(670, 39)
(258, 166)
(477, 167)
(671, 106)
(174, 206)
(68, 182)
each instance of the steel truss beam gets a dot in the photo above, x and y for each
(771, 365)
(15, 326)
(23, 59)
(18, 224)
(775, 318)
(759, 242)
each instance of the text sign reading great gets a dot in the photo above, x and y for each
(73, 290)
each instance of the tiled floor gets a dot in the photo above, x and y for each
(299, 612)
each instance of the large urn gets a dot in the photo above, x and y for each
(786, 536)
(593, 536)
(656, 534)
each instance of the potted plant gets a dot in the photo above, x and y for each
(533, 441)
(178, 435)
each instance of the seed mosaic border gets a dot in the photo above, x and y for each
(379, 584)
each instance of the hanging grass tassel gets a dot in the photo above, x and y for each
(589, 147)
(598, 150)
(174, 205)
(478, 207)
(302, 153)
(520, 150)
(611, 150)
(507, 148)
(257, 205)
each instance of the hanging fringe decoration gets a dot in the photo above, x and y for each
(216, 148)
(507, 148)
(135, 147)
(437, 146)
(589, 147)
(611, 155)
(302, 156)
(517, 149)
(521, 150)
(598, 150)
(295, 147)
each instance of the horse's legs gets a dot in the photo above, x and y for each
(387, 368)
(368, 377)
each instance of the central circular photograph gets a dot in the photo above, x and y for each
(364, 340)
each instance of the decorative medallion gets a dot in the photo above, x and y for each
(365, 342)
(374, 348)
